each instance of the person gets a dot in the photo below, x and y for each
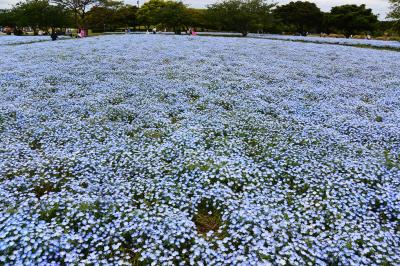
(53, 36)
(190, 31)
(154, 30)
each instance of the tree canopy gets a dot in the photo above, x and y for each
(300, 16)
(111, 15)
(170, 14)
(36, 14)
(352, 19)
(7, 18)
(395, 14)
(240, 15)
(78, 7)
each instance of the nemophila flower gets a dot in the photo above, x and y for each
(198, 150)
(330, 40)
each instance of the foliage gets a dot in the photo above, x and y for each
(7, 18)
(174, 15)
(150, 13)
(111, 15)
(300, 16)
(352, 19)
(395, 14)
(197, 17)
(168, 14)
(78, 7)
(39, 14)
(240, 15)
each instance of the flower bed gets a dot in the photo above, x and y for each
(138, 149)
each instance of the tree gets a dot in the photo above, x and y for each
(7, 18)
(169, 14)
(240, 15)
(30, 14)
(352, 19)
(126, 16)
(174, 15)
(197, 17)
(78, 7)
(112, 14)
(395, 14)
(150, 13)
(99, 17)
(57, 17)
(39, 14)
(300, 16)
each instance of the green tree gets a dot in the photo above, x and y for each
(240, 15)
(57, 17)
(300, 16)
(30, 14)
(39, 14)
(78, 7)
(126, 16)
(150, 13)
(352, 19)
(174, 15)
(98, 18)
(395, 14)
(7, 18)
(111, 15)
(197, 17)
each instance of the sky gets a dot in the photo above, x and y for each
(380, 7)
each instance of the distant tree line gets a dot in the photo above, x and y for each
(395, 15)
(242, 16)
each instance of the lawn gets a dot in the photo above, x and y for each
(182, 150)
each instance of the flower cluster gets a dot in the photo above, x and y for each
(330, 40)
(177, 150)
(16, 40)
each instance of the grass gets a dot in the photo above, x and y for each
(44, 188)
(49, 213)
(207, 219)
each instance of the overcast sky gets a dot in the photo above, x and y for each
(378, 6)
